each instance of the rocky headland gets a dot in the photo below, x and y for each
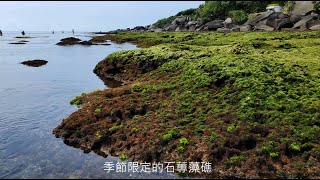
(300, 16)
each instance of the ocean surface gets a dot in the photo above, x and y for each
(34, 100)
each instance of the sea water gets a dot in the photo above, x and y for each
(34, 100)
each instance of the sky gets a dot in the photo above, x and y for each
(88, 16)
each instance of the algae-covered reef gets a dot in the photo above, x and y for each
(249, 103)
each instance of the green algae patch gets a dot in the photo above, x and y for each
(247, 102)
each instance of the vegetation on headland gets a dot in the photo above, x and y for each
(247, 102)
(238, 10)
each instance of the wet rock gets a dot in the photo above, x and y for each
(69, 41)
(35, 63)
(23, 37)
(86, 43)
(302, 7)
(104, 44)
(18, 43)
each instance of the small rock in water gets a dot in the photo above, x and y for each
(69, 41)
(18, 43)
(35, 63)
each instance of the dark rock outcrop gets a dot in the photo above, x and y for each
(74, 41)
(35, 63)
(69, 41)
(213, 25)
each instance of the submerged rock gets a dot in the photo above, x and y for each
(35, 63)
(87, 43)
(23, 37)
(18, 43)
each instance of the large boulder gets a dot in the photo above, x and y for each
(224, 30)
(314, 25)
(282, 23)
(181, 28)
(302, 7)
(260, 17)
(191, 23)
(302, 24)
(227, 23)
(271, 19)
(282, 16)
(263, 26)
(179, 20)
(171, 27)
(192, 28)
(138, 29)
(213, 25)
(245, 28)
(295, 18)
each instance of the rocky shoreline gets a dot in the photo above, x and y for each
(302, 17)
(188, 98)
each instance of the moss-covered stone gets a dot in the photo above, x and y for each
(250, 95)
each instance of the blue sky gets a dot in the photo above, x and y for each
(85, 15)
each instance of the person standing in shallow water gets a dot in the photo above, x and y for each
(0, 33)
(72, 31)
(23, 33)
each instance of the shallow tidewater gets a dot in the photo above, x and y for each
(34, 100)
